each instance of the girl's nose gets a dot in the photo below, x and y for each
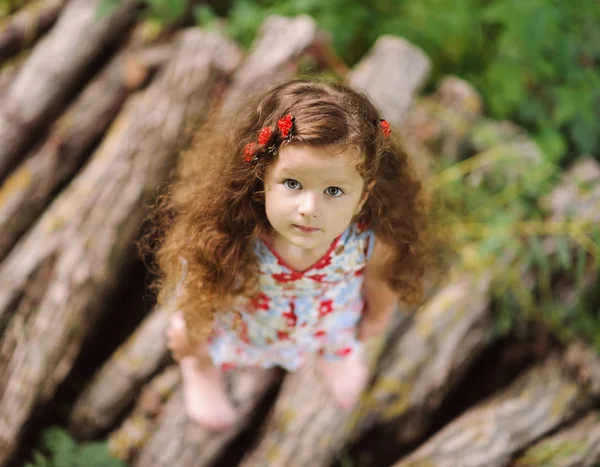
(309, 206)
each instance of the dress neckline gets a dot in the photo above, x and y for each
(283, 262)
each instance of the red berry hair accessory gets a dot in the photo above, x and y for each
(249, 152)
(385, 127)
(286, 125)
(265, 135)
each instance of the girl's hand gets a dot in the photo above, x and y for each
(177, 341)
(370, 328)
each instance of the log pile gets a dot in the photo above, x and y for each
(92, 117)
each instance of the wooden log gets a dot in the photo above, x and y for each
(55, 67)
(577, 445)
(21, 30)
(85, 239)
(179, 442)
(29, 189)
(11, 7)
(391, 74)
(118, 381)
(492, 432)
(273, 57)
(304, 413)
(443, 121)
(125, 442)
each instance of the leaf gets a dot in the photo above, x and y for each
(580, 266)
(57, 440)
(106, 7)
(563, 253)
(538, 253)
(96, 454)
(204, 15)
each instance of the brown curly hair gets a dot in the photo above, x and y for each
(214, 210)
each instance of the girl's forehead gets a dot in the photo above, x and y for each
(323, 163)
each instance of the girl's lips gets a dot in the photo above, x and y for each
(305, 229)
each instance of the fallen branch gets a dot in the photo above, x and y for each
(21, 30)
(492, 432)
(577, 445)
(178, 441)
(126, 442)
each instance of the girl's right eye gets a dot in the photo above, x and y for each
(292, 184)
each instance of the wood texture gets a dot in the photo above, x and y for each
(85, 238)
(492, 432)
(179, 442)
(29, 189)
(391, 73)
(55, 66)
(22, 29)
(576, 445)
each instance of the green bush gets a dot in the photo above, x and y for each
(63, 451)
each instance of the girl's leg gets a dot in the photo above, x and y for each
(345, 378)
(204, 392)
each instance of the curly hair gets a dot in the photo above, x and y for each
(213, 211)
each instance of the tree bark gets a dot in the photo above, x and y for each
(55, 67)
(305, 427)
(273, 57)
(116, 384)
(391, 74)
(29, 189)
(126, 442)
(443, 121)
(85, 238)
(492, 432)
(577, 445)
(179, 442)
(25, 27)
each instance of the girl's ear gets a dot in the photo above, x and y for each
(365, 196)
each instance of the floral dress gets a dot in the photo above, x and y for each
(297, 312)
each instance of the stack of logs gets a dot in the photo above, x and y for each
(93, 113)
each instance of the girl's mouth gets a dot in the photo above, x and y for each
(305, 229)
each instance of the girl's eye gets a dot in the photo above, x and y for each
(292, 184)
(334, 191)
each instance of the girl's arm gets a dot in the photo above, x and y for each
(380, 299)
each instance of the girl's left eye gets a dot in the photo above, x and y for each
(334, 191)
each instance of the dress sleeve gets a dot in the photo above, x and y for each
(369, 243)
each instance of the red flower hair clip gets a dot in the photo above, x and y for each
(285, 125)
(265, 135)
(385, 127)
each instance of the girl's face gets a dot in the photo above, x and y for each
(312, 194)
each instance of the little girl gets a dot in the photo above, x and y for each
(297, 230)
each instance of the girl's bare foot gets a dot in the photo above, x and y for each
(345, 378)
(205, 396)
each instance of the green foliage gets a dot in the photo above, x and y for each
(535, 61)
(65, 452)
(164, 11)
